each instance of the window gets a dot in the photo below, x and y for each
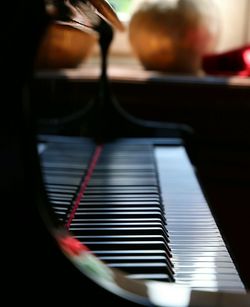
(123, 8)
(233, 15)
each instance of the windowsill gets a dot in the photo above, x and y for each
(210, 104)
(128, 69)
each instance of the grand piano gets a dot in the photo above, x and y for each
(111, 216)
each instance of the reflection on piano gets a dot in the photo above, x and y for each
(111, 220)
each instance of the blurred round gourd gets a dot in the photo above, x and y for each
(64, 46)
(172, 36)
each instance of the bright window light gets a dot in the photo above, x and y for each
(123, 8)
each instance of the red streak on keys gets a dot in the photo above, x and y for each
(72, 246)
(84, 185)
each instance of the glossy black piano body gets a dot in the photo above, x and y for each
(36, 262)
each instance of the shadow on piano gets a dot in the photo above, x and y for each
(41, 189)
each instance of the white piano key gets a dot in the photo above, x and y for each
(200, 256)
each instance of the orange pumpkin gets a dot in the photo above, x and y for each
(171, 37)
(64, 46)
(70, 37)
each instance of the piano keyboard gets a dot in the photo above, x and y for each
(143, 210)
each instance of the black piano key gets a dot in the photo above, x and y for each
(118, 230)
(133, 258)
(117, 215)
(144, 268)
(129, 230)
(115, 224)
(71, 165)
(62, 180)
(133, 252)
(124, 174)
(123, 237)
(122, 182)
(122, 196)
(113, 203)
(60, 197)
(117, 208)
(95, 221)
(129, 190)
(63, 172)
(118, 223)
(58, 188)
(126, 244)
(116, 220)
